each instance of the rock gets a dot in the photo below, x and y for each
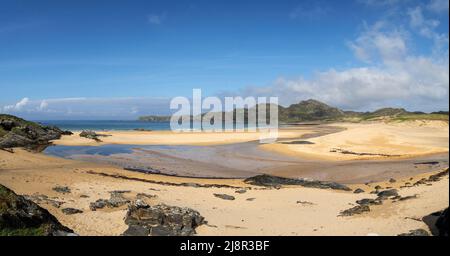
(224, 196)
(241, 191)
(99, 204)
(145, 196)
(304, 203)
(388, 193)
(22, 217)
(17, 132)
(43, 199)
(378, 187)
(92, 135)
(416, 232)
(161, 220)
(250, 199)
(61, 189)
(358, 191)
(116, 200)
(442, 223)
(273, 181)
(368, 201)
(359, 209)
(391, 180)
(70, 211)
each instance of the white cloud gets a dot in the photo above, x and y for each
(392, 75)
(16, 107)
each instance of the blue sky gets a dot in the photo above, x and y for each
(69, 59)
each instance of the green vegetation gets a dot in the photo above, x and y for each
(2, 132)
(313, 110)
(37, 231)
(412, 117)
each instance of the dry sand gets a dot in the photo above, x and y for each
(172, 138)
(404, 139)
(272, 212)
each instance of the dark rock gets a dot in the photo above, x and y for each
(272, 181)
(70, 211)
(224, 196)
(368, 201)
(442, 223)
(92, 135)
(116, 200)
(250, 199)
(43, 199)
(358, 191)
(99, 204)
(305, 203)
(299, 142)
(161, 220)
(136, 230)
(416, 232)
(377, 187)
(17, 132)
(22, 217)
(359, 209)
(392, 180)
(388, 193)
(62, 189)
(241, 191)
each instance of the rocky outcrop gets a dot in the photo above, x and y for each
(17, 132)
(359, 209)
(442, 223)
(274, 181)
(116, 200)
(92, 135)
(71, 211)
(161, 220)
(20, 216)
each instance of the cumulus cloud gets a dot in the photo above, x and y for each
(18, 106)
(391, 76)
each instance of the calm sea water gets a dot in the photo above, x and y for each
(98, 125)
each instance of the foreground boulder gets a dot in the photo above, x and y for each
(17, 132)
(161, 220)
(274, 181)
(442, 223)
(22, 217)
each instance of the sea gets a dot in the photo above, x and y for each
(106, 125)
(113, 125)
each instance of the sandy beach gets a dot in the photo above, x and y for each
(289, 210)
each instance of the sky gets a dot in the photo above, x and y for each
(122, 59)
